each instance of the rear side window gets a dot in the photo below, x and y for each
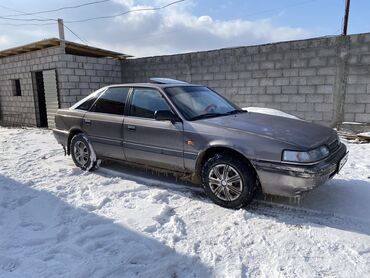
(87, 104)
(112, 101)
(145, 102)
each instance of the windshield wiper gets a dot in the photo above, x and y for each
(210, 115)
(236, 111)
(206, 115)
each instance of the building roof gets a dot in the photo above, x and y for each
(70, 48)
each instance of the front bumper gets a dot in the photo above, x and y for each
(291, 180)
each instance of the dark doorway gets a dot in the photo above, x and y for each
(41, 103)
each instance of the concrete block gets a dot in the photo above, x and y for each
(297, 99)
(274, 90)
(251, 98)
(258, 90)
(359, 79)
(327, 52)
(367, 108)
(306, 89)
(365, 59)
(281, 81)
(281, 98)
(73, 78)
(356, 88)
(300, 63)
(208, 76)
(315, 80)
(307, 72)
(355, 108)
(315, 98)
(324, 89)
(232, 75)
(313, 116)
(327, 71)
(288, 107)
(80, 72)
(290, 72)
(323, 107)
(305, 106)
(265, 98)
(245, 74)
(317, 62)
(266, 82)
(267, 65)
(283, 64)
(275, 73)
(219, 76)
(289, 89)
(297, 81)
(362, 118)
(259, 73)
(238, 83)
(365, 98)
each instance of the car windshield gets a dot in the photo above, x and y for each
(197, 102)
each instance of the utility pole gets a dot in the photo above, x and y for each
(61, 32)
(346, 14)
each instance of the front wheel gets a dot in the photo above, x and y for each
(228, 181)
(83, 154)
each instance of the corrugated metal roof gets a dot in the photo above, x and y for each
(70, 48)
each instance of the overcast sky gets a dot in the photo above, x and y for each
(191, 25)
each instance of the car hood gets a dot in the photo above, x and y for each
(294, 132)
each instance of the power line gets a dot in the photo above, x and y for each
(77, 36)
(59, 9)
(94, 18)
(127, 12)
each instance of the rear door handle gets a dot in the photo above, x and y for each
(87, 122)
(131, 127)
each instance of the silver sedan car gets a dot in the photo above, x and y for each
(192, 130)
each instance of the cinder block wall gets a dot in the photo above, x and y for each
(78, 76)
(20, 110)
(307, 78)
(357, 96)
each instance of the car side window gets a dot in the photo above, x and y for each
(145, 102)
(112, 101)
(87, 104)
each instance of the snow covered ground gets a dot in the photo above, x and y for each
(58, 221)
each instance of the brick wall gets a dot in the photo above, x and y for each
(307, 78)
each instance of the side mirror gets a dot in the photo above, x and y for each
(165, 115)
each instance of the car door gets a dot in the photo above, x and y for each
(149, 141)
(103, 123)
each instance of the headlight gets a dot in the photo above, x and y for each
(310, 156)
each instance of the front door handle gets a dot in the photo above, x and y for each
(131, 127)
(87, 122)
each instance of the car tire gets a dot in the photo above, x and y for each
(228, 181)
(83, 154)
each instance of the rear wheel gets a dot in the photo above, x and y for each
(228, 181)
(83, 154)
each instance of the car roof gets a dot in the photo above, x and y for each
(152, 85)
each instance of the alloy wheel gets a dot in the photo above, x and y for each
(225, 182)
(81, 153)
